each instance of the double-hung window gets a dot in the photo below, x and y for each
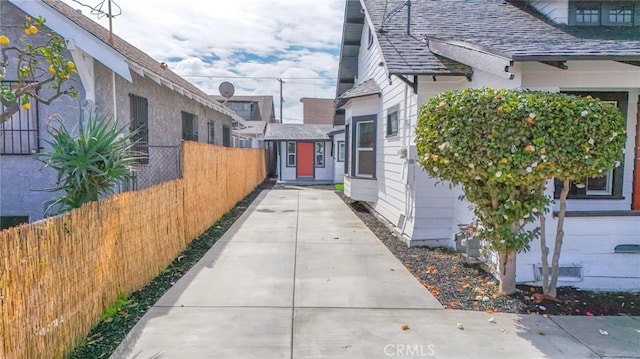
(139, 122)
(364, 146)
(226, 136)
(341, 152)
(392, 121)
(319, 154)
(291, 154)
(189, 126)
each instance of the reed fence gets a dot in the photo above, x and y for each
(57, 276)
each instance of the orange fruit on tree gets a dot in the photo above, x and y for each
(52, 69)
(26, 105)
(71, 65)
(4, 40)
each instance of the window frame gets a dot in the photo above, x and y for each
(226, 136)
(322, 154)
(579, 190)
(186, 118)
(341, 151)
(27, 139)
(291, 154)
(608, 7)
(139, 120)
(356, 150)
(211, 132)
(391, 113)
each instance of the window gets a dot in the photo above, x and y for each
(226, 136)
(139, 113)
(319, 154)
(291, 154)
(19, 134)
(341, 149)
(211, 131)
(364, 154)
(621, 16)
(610, 184)
(348, 151)
(588, 16)
(12, 221)
(189, 126)
(392, 122)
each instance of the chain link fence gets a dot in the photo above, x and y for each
(163, 165)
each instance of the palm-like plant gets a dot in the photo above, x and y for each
(91, 163)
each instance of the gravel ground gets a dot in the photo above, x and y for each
(458, 285)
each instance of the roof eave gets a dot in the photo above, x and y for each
(83, 39)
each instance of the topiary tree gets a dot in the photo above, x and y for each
(482, 139)
(90, 163)
(585, 138)
(32, 66)
(503, 146)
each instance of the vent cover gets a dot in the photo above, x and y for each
(571, 273)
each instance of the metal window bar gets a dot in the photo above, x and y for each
(140, 121)
(211, 130)
(20, 134)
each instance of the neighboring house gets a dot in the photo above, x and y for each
(389, 66)
(304, 152)
(114, 79)
(257, 111)
(311, 152)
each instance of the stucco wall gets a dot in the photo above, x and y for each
(22, 177)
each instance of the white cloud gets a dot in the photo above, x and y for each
(241, 41)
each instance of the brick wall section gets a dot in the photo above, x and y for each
(317, 111)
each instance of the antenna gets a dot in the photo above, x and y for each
(227, 90)
(387, 17)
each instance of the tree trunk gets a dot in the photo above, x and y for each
(544, 253)
(555, 260)
(507, 272)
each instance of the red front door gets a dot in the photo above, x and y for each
(304, 166)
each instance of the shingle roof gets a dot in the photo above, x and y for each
(291, 131)
(253, 129)
(369, 87)
(496, 25)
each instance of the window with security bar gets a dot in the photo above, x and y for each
(139, 108)
(211, 130)
(19, 135)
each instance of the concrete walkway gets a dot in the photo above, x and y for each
(300, 276)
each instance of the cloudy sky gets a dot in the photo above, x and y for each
(249, 43)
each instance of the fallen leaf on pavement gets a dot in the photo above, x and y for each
(455, 303)
(393, 270)
(492, 320)
(503, 330)
(460, 326)
(405, 327)
(432, 270)
(540, 332)
(604, 332)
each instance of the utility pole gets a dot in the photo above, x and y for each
(281, 81)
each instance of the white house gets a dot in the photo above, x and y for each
(396, 54)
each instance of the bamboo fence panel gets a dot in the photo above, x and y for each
(57, 276)
(215, 179)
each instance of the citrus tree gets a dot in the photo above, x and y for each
(32, 61)
(503, 146)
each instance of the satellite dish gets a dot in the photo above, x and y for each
(226, 90)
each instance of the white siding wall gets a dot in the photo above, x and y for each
(289, 173)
